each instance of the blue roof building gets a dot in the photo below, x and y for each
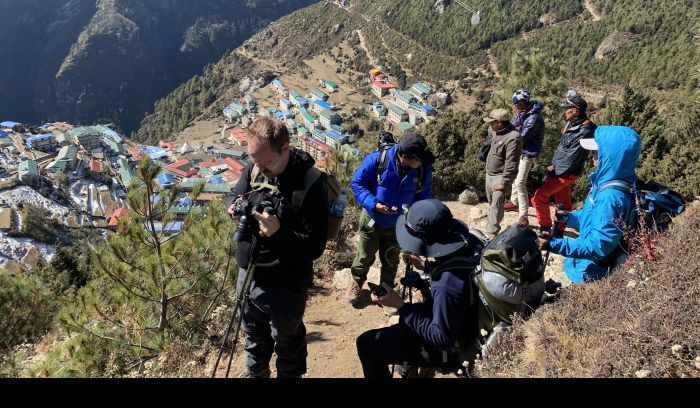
(3, 133)
(9, 124)
(166, 180)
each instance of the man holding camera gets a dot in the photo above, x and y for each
(408, 177)
(441, 331)
(288, 241)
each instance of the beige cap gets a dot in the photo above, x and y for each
(500, 115)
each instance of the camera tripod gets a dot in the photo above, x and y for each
(241, 300)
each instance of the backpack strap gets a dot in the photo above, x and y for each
(383, 163)
(459, 262)
(255, 184)
(312, 175)
(619, 185)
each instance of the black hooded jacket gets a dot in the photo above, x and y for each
(570, 157)
(286, 258)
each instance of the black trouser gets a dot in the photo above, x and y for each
(273, 321)
(398, 344)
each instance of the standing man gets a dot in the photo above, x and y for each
(568, 161)
(289, 241)
(501, 165)
(382, 189)
(589, 257)
(528, 121)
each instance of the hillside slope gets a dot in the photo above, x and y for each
(87, 61)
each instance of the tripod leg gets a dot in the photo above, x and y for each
(240, 304)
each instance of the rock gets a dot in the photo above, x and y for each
(548, 19)
(697, 362)
(439, 100)
(244, 84)
(678, 350)
(476, 214)
(642, 373)
(631, 284)
(614, 43)
(336, 29)
(469, 197)
(632, 271)
(440, 5)
(342, 278)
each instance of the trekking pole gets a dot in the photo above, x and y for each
(238, 311)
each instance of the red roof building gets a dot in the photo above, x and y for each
(239, 136)
(181, 168)
(231, 176)
(166, 144)
(135, 153)
(118, 213)
(210, 163)
(234, 164)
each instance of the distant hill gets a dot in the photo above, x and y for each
(417, 40)
(87, 61)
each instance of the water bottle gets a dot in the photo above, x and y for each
(339, 204)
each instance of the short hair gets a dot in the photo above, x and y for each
(269, 131)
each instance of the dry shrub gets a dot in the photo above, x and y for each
(341, 251)
(620, 325)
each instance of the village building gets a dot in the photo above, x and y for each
(396, 114)
(88, 137)
(28, 171)
(318, 95)
(45, 142)
(328, 117)
(421, 91)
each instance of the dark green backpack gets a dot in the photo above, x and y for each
(510, 276)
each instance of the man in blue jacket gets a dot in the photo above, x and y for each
(407, 177)
(615, 153)
(528, 121)
(440, 331)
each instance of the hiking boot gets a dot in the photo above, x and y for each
(248, 374)
(524, 221)
(353, 292)
(510, 207)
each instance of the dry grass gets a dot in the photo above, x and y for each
(341, 251)
(642, 318)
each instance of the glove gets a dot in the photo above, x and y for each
(562, 216)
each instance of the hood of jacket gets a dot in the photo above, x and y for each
(618, 153)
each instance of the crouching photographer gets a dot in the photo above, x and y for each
(279, 242)
(435, 332)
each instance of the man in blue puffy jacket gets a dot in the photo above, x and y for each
(408, 177)
(615, 153)
(528, 121)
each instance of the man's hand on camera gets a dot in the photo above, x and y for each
(414, 260)
(229, 210)
(269, 224)
(391, 299)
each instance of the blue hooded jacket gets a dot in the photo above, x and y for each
(618, 152)
(393, 192)
(530, 124)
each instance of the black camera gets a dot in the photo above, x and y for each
(247, 224)
(413, 279)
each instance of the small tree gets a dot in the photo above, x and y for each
(152, 284)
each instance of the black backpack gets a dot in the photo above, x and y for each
(510, 277)
(655, 206)
(483, 151)
(386, 141)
